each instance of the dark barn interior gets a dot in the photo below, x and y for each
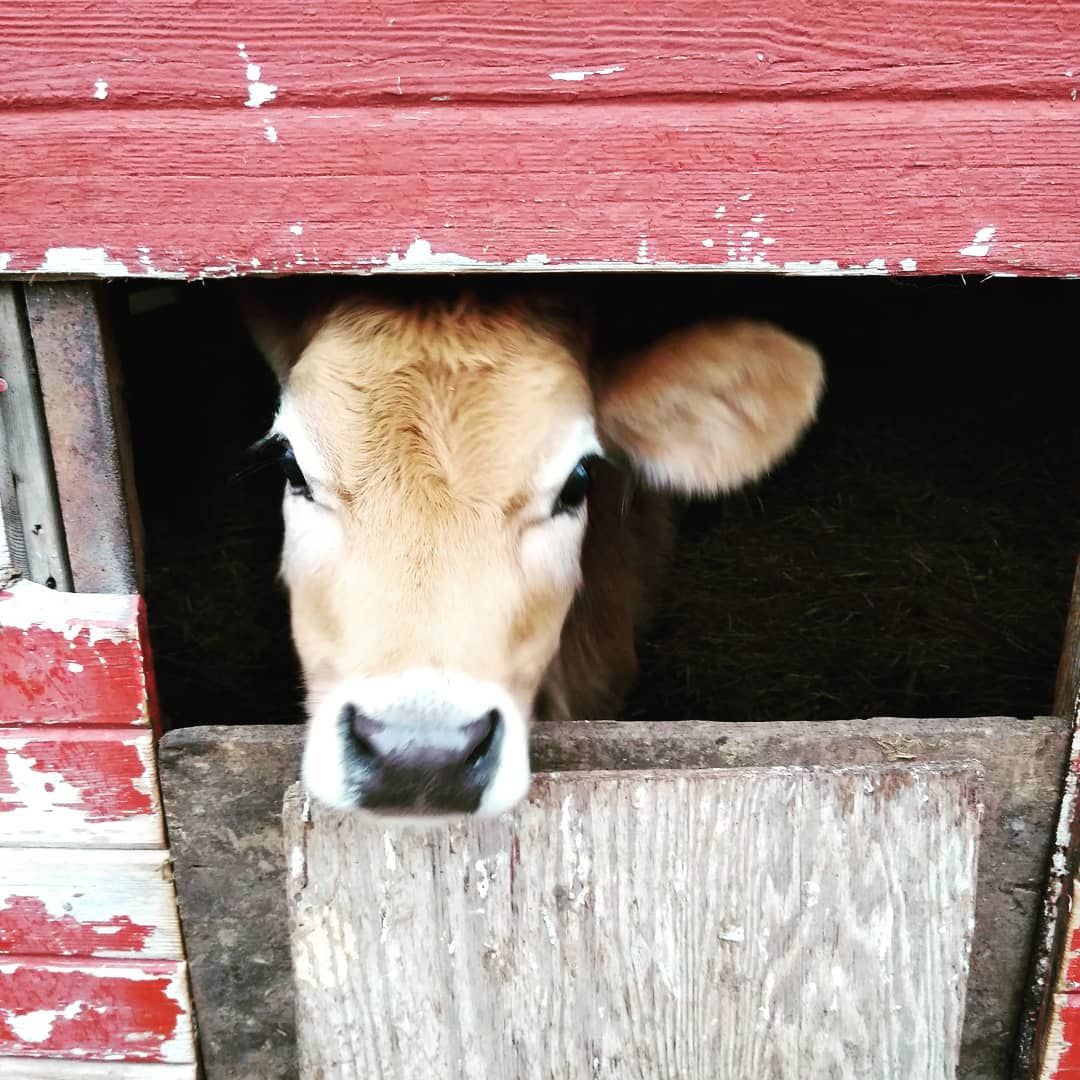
(913, 558)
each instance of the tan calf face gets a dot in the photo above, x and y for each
(436, 510)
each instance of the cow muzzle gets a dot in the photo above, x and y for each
(420, 743)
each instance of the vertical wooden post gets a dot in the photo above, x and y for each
(79, 380)
(34, 529)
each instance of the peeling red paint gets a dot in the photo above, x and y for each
(1068, 1064)
(105, 774)
(111, 1011)
(27, 926)
(52, 678)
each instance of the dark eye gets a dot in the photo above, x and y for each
(294, 476)
(576, 488)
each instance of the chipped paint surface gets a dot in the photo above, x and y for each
(259, 93)
(101, 89)
(5, 258)
(420, 256)
(103, 1011)
(979, 247)
(28, 926)
(581, 76)
(94, 262)
(908, 265)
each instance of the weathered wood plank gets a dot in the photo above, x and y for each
(1067, 692)
(703, 924)
(804, 186)
(71, 658)
(129, 55)
(98, 1009)
(87, 431)
(33, 522)
(51, 1069)
(222, 789)
(116, 904)
(74, 787)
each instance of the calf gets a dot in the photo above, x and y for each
(474, 511)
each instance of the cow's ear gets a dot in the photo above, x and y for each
(282, 318)
(711, 406)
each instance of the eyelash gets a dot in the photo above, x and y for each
(576, 489)
(294, 475)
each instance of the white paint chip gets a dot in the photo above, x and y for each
(259, 92)
(537, 258)
(419, 256)
(81, 260)
(271, 133)
(296, 229)
(581, 76)
(981, 244)
(101, 89)
(720, 211)
(707, 242)
(747, 197)
(5, 259)
(643, 250)
(908, 265)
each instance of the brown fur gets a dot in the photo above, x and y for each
(433, 421)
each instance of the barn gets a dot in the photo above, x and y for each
(835, 832)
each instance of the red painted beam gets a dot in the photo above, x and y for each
(805, 186)
(337, 54)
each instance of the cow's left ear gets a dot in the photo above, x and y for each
(708, 407)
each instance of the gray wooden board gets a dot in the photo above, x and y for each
(28, 487)
(716, 924)
(223, 788)
(87, 431)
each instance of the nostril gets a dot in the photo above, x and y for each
(485, 731)
(360, 727)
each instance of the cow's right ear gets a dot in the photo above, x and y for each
(711, 406)
(282, 318)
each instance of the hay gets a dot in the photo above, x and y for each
(914, 558)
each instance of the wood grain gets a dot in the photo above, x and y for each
(117, 904)
(29, 1069)
(32, 517)
(95, 1009)
(1067, 692)
(336, 54)
(71, 659)
(223, 788)
(68, 787)
(713, 924)
(800, 186)
(79, 376)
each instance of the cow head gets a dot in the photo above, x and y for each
(438, 458)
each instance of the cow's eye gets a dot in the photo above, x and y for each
(576, 488)
(294, 475)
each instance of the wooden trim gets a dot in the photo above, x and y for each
(32, 519)
(115, 904)
(22, 1068)
(1049, 1045)
(79, 383)
(72, 659)
(98, 1009)
(803, 186)
(1067, 692)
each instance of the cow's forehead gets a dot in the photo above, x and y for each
(463, 407)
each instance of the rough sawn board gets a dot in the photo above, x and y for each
(710, 925)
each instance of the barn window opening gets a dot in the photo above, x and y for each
(913, 557)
